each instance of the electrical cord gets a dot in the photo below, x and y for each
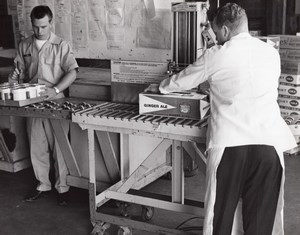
(189, 219)
(192, 228)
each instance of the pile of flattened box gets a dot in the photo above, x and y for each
(289, 85)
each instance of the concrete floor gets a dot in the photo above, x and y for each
(45, 217)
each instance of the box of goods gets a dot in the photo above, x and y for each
(289, 54)
(293, 122)
(255, 33)
(272, 40)
(289, 79)
(182, 104)
(286, 89)
(290, 66)
(286, 111)
(289, 41)
(290, 102)
(293, 151)
(20, 94)
(129, 78)
(209, 37)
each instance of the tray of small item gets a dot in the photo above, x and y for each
(54, 109)
(21, 103)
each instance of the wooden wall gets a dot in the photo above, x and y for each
(269, 16)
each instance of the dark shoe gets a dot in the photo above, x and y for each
(63, 199)
(35, 195)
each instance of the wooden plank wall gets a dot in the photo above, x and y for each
(269, 16)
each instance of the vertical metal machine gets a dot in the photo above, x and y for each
(187, 43)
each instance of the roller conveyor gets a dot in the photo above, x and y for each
(114, 117)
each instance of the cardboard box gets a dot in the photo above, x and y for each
(255, 33)
(290, 66)
(286, 111)
(289, 54)
(289, 102)
(289, 41)
(209, 37)
(295, 129)
(292, 79)
(293, 151)
(185, 104)
(272, 40)
(287, 89)
(293, 122)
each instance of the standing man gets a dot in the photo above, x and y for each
(45, 58)
(246, 134)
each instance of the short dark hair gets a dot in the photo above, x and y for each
(40, 12)
(231, 15)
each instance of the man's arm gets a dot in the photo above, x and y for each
(18, 71)
(63, 84)
(189, 78)
(69, 64)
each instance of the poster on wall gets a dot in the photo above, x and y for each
(108, 29)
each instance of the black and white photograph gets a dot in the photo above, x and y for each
(150, 117)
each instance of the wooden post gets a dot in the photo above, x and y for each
(275, 16)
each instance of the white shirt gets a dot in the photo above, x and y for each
(243, 76)
(40, 43)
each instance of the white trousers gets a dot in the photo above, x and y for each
(43, 146)
(213, 160)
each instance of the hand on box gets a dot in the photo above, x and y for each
(153, 88)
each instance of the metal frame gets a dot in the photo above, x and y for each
(176, 136)
(56, 117)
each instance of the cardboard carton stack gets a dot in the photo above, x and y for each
(289, 84)
(289, 81)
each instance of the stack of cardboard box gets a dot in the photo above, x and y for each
(289, 84)
(289, 81)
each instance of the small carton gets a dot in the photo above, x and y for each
(289, 102)
(293, 151)
(272, 40)
(289, 54)
(287, 89)
(182, 104)
(292, 79)
(255, 33)
(286, 111)
(290, 66)
(209, 37)
(289, 41)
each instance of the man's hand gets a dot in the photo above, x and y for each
(14, 75)
(153, 88)
(48, 92)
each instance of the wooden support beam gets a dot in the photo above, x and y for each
(109, 155)
(65, 147)
(275, 16)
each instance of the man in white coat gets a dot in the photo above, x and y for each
(246, 133)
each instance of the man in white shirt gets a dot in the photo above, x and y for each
(246, 134)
